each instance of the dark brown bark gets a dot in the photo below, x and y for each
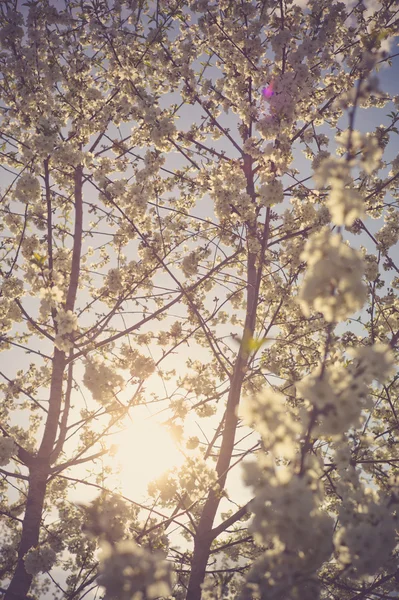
(21, 581)
(205, 534)
(38, 472)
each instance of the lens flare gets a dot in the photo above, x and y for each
(268, 91)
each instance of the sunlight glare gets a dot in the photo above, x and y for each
(146, 449)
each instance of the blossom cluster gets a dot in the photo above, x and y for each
(39, 560)
(191, 261)
(333, 283)
(68, 154)
(267, 413)
(140, 366)
(376, 362)
(388, 235)
(67, 323)
(190, 264)
(365, 144)
(288, 516)
(366, 536)
(12, 287)
(338, 398)
(271, 193)
(27, 188)
(339, 395)
(194, 478)
(229, 193)
(344, 202)
(63, 109)
(50, 297)
(289, 522)
(101, 380)
(107, 517)
(129, 572)
(7, 449)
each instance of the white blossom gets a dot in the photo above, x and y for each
(333, 282)
(67, 322)
(128, 571)
(27, 188)
(50, 298)
(107, 517)
(339, 397)
(345, 205)
(102, 381)
(271, 193)
(39, 560)
(7, 449)
(190, 264)
(366, 534)
(376, 361)
(267, 413)
(140, 366)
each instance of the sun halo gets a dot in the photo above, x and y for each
(145, 450)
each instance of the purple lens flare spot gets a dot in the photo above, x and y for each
(268, 92)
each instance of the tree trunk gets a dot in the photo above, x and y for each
(21, 581)
(204, 535)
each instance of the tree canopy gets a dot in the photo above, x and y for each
(199, 219)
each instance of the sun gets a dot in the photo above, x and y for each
(145, 450)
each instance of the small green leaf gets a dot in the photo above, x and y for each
(251, 344)
(256, 344)
(39, 259)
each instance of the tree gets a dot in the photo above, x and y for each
(204, 267)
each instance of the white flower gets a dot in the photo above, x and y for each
(344, 202)
(287, 520)
(333, 283)
(254, 245)
(339, 397)
(50, 297)
(345, 205)
(12, 287)
(27, 188)
(394, 166)
(372, 153)
(114, 280)
(323, 154)
(190, 264)
(53, 294)
(39, 560)
(389, 234)
(342, 456)
(267, 413)
(102, 381)
(7, 449)
(271, 193)
(371, 267)
(192, 442)
(140, 366)
(62, 343)
(128, 571)
(376, 362)
(366, 536)
(108, 516)
(67, 321)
